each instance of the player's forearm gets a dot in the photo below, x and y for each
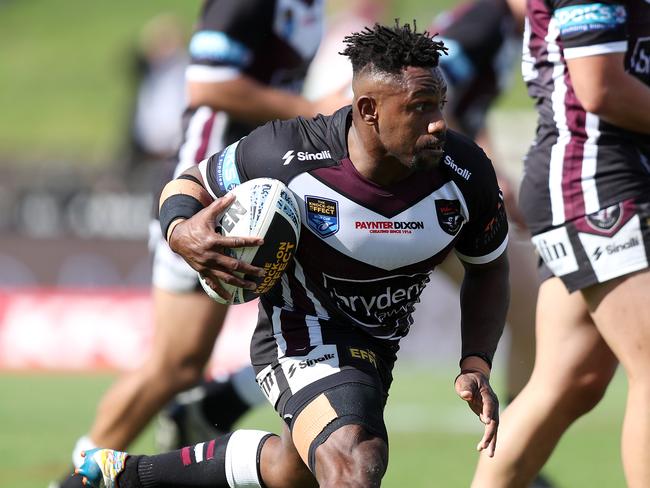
(484, 302)
(180, 199)
(250, 101)
(606, 90)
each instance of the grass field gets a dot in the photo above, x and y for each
(432, 433)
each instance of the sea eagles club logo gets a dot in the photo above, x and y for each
(449, 216)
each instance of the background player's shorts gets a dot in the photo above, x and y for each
(170, 271)
(343, 381)
(612, 242)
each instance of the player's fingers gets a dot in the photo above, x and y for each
(217, 288)
(465, 387)
(488, 441)
(490, 406)
(233, 241)
(219, 205)
(233, 265)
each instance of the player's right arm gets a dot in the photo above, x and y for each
(595, 58)
(223, 48)
(188, 216)
(604, 88)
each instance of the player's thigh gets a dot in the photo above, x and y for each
(621, 310)
(186, 324)
(187, 321)
(570, 352)
(342, 382)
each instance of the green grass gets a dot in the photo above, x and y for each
(64, 73)
(432, 433)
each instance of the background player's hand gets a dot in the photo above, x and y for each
(509, 190)
(207, 251)
(473, 386)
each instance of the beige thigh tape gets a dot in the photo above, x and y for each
(311, 422)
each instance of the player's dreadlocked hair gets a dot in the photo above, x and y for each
(390, 49)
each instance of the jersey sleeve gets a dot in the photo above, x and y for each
(228, 34)
(267, 152)
(588, 28)
(485, 237)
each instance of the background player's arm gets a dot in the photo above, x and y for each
(248, 100)
(604, 88)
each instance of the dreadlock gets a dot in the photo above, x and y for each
(390, 49)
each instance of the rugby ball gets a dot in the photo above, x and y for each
(266, 208)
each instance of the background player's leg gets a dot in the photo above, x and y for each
(211, 407)
(573, 367)
(524, 287)
(187, 325)
(621, 311)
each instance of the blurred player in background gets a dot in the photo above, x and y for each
(248, 63)
(585, 197)
(158, 83)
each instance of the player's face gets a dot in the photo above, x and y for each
(411, 125)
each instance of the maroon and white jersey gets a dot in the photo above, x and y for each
(365, 251)
(271, 41)
(580, 164)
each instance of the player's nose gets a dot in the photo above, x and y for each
(437, 126)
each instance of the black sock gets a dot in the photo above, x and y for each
(200, 466)
(222, 405)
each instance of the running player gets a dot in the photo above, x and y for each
(248, 62)
(328, 334)
(585, 198)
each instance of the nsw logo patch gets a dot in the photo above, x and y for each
(449, 216)
(322, 215)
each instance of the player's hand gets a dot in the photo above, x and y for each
(331, 103)
(473, 386)
(205, 250)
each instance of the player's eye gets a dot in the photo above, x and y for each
(423, 106)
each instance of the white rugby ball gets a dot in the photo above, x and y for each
(266, 208)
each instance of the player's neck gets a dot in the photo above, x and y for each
(371, 160)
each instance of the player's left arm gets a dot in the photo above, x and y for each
(484, 295)
(484, 302)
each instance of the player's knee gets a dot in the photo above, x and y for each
(178, 371)
(586, 392)
(351, 457)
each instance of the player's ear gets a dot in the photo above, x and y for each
(367, 107)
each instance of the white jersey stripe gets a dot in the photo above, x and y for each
(488, 257)
(589, 164)
(556, 166)
(277, 331)
(320, 310)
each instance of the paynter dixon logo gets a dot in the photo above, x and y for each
(388, 226)
(322, 215)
